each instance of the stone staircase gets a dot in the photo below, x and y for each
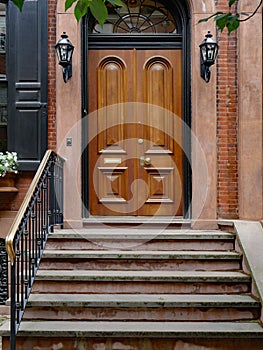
(124, 288)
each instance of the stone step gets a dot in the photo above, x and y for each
(117, 329)
(140, 239)
(159, 307)
(91, 281)
(154, 276)
(136, 221)
(144, 255)
(140, 260)
(133, 343)
(143, 300)
(141, 234)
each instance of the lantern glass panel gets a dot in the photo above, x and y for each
(70, 51)
(64, 53)
(210, 52)
(203, 53)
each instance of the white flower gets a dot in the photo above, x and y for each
(8, 163)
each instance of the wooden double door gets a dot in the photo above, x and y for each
(135, 132)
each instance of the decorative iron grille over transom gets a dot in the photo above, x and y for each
(137, 17)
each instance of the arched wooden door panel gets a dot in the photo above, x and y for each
(135, 158)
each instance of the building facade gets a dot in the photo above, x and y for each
(141, 132)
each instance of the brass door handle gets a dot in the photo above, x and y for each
(145, 161)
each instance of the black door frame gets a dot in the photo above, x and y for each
(181, 41)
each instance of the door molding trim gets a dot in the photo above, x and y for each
(180, 41)
(117, 41)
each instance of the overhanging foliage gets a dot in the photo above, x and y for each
(229, 20)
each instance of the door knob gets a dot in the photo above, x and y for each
(145, 161)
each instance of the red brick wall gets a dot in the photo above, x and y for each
(227, 119)
(12, 201)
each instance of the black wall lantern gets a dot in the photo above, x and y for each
(208, 54)
(64, 50)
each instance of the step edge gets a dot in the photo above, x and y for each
(145, 304)
(143, 236)
(139, 329)
(147, 255)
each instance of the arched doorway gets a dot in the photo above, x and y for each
(136, 87)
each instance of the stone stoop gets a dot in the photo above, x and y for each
(140, 289)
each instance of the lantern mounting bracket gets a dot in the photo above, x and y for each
(205, 72)
(67, 72)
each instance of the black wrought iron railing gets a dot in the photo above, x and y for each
(3, 273)
(40, 211)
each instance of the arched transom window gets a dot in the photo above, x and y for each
(138, 17)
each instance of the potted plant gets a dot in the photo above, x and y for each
(8, 171)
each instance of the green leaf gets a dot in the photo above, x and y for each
(232, 26)
(81, 8)
(19, 3)
(231, 2)
(69, 3)
(222, 21)
(207, 18)
(99, 11)
(233, 23)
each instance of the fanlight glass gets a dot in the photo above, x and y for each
(137, 17)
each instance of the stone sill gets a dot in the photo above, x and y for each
(8, 190)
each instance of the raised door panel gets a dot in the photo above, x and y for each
(158, 92)
(112, 92)
(110, 167)
(112, 184)
(160, 88)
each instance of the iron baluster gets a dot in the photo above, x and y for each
(30, 253)
(25, 243)
(13, 318)
(26, 280)
(17, 300)
(52, 197)
(4, 273)
(22, 271)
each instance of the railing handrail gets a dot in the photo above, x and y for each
(21, 212)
